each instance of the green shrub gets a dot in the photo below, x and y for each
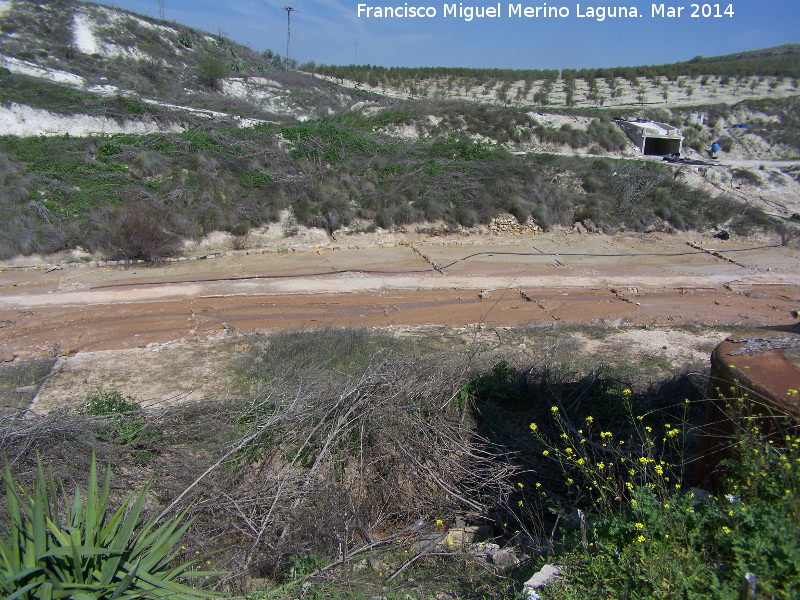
(209, 71)
(107, 150)
(185, 40)
(321, 139)
(199, 140)
(127, 424)
(258, 179)
(54, 548)
(102, 402)
(461, 149)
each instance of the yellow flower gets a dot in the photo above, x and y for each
(520, 485)
(538, 485)
(648, 429)
(439, 522)
(626, 392)
(641, 539)
(640, 418)
(639, 525)
(666, 505)
(569, 481)
(564, 436)
(568, 450)
(534, 427)
(601, 466)
(659, 470)
(673, 432)
(581, 462)
(589, 419)
(629, 485)
(519, 503)
(725, 529)
(554, 409)
(633, 502)
(545, 453)
(606, 434)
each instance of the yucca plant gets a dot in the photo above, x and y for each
(86, 553)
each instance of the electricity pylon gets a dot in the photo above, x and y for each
(288, 10)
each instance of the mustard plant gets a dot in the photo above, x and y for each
(650, 536)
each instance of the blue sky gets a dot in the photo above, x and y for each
(326, 31)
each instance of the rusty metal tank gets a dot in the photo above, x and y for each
(755, 378)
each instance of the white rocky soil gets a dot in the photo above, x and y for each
(25, 121)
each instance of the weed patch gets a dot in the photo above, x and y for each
(645, 534)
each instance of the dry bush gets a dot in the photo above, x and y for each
(324, 459)
(149, 164)
(139, 230)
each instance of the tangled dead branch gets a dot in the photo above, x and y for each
(319, 462)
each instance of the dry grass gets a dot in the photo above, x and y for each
(345, 438)
(325, 456)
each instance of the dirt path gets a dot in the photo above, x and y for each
(754, 164)
(639, 279)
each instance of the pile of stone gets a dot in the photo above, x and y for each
(508, 225)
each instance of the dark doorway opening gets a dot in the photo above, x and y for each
(661, 146)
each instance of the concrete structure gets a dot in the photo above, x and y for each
(696, 118)
(653, 138)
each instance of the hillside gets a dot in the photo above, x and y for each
(727, 79)
(212, 136)
(99, 54)
(386, 333)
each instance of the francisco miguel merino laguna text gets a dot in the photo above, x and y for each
(468, 13)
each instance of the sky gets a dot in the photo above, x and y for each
(332, 32)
